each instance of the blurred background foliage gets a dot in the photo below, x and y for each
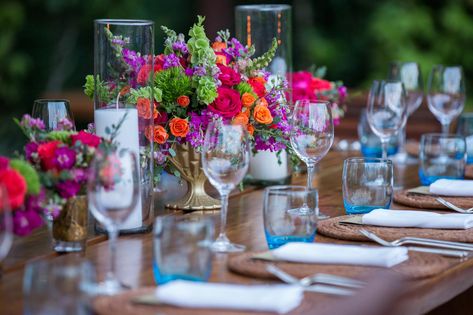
(47, 45)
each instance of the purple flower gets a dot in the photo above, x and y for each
(133, 59)
(342, 94)
(271, 144)
(159, 157)
(64, 158)
(189, 72)
(68, 188)
(79, 175)
(91, 128)
(235, 49)
(171, 60)
(30, 149)
(29, 122)
(199, 71)
(25, 221)
(65, 124)
(180, 46)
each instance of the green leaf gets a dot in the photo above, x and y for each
(172, 152)
(29, 174)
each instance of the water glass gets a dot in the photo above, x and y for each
(289, 214)
(465, 129)
(56, 114)
(58, 287)
(441, 156)
(370, 143)
(367, 184)
(182, 248)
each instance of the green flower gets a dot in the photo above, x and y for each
(206, 90)
(29, 174)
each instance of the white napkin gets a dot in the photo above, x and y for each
(318, 253)
(452, 187)
(267, 298)
(418, 219)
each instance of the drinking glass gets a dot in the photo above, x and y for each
(58, 286)
(446, 94)
(113, 191)
(283, 220)
(312, 134)
(367, 184)
(56, 114)
(387, 110)
(6, 224)
(441, 156)
(370, 143)
(410, 75)
(465, 129)
(225, 160)
(182, 248)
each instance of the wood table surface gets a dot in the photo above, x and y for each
(245, 226)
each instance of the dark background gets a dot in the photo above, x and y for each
(46, 46)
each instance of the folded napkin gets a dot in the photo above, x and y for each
(268, 298)
(318, 253)
(452, 187)
(419, 219)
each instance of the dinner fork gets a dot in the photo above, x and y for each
(453, 207)
(463, 252)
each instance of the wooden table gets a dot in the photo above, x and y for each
(245, 225)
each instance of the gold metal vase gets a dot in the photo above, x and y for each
(188, 162)
(71, 226)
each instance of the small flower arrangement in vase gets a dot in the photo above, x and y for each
(197, 81)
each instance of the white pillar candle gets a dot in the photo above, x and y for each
(264, 166)
(127, 138)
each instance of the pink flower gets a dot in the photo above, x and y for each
(15, 186)
(86, 138)
(228, 76)
(227, 104)
(302, 88)
(68, 188)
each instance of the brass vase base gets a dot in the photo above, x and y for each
(188, 162)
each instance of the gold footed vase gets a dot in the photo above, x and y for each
(188, 162)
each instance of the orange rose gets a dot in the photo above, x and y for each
(144, 108)
(157, 134)
(218, 46)
(260, 80)
(251, 129)
(262, 101)
(262, 115)
(247, 99)
(125, 90)
(240, 119)
(221, 59)
(246, 112)
(183, 100)
(179, 127)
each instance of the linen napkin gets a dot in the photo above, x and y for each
(452, 187)
(319, 253)
(418, 219)
(269, 298)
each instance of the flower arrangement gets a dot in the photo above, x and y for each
(310, 85)
(197, 81)
(24, 193)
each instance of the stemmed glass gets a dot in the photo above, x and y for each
(410, 75)
(225, 160)
(446, 94)
(56, 114)
(6, 224)
(387, 110)
(113, 191)
(312, 134)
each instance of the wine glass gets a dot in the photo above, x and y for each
(6, 224)
(56, 114)
(387, 110)
(311, 134)
(225, 160)
(410, 75)
(446, 94)
(113, 190)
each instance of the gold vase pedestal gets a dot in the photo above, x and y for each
(189, 164)
(70, 228)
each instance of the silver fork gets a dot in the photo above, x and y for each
(450, 205)
(445, 252)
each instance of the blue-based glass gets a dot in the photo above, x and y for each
(465, 129)
(367, 184)
(182, 249)
(289, 214)
(370, 143)
(441, 156)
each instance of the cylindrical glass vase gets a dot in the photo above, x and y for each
(124, 101)
(257, 25)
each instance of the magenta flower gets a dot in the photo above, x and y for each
(64, 158)
(25, 221)
(30, 149)
(68, 188)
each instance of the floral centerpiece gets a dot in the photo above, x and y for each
(197, 81)
(310, 85)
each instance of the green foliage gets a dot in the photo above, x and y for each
(244, 87)
(146, 93)
(173, 83)
(29, 173)
(59, 135)
(206, 90)
(264, 60)
(199, 45)
(90, 85)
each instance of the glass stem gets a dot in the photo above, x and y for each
(310, 175)
(112, 242)
(223, 214)
(402, 141)
(384, 147)
(445, 128)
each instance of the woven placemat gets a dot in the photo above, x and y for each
(351, 232)
(419, 265)
(469, 172)
(414, 200)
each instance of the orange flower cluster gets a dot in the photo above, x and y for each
(179, 127)
(143, 105)
(156, 133)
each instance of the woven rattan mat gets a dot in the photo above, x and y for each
(406, 198)
(419, 265)
(351, 232)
